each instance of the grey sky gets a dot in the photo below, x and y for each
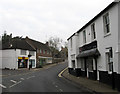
(40, 19)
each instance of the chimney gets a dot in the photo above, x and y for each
(47, 43)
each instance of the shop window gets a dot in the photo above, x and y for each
(82, 64)
(23, 52)
(90, 64)
(32, 61)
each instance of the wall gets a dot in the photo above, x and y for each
(119, 37)
(72, 51)
(108, 41)
(9, 59)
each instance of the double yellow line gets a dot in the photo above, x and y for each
(60, 74)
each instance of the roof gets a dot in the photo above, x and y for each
(37, 44)
(17, 44)
(98, 15)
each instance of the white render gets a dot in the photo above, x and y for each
(103, 42)
(10, 58)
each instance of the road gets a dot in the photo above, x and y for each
(46, 80)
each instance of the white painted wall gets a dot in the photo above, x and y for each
(108, 41)
(9, 59)
(119, 38)
(103, 42)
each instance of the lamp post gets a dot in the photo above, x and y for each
(29, 59)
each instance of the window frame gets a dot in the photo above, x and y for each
(93, 33)
(106, 23)
(24, 51)
(84, 36)
(108, 63)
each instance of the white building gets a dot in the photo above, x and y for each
(16, 55)
(94, 50)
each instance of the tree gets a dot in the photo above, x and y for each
(54, 44)
(6, 38)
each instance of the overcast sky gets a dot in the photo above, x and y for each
(41, 19)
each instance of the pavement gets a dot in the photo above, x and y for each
(95, 86)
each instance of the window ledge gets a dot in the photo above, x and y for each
(93, 40)
(109, 72)
(108, 34)
(90, 71)
(82, 69)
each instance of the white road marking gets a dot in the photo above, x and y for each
(61, 90)
(13, 81)
(56, 86)
(30, 77)
(15, 84)
(22, 78)
(3, 86)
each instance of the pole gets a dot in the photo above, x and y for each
(113, 78)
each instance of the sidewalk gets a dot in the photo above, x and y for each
(95, 86)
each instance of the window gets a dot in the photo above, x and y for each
(47, 52)
(23, 52)
(109, 64)
(106, 23)
(84, 36)
(32, 53)
(82, 64)
(90, 65)
(43, 51)
(93, 35)
(40, 51)
(71, 42)
(73, 63)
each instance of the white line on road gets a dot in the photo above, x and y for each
(22, 78)
(56, 86)
(13, 81)
(61, 90)
(30, 77)
(15, 84)
(3, 86)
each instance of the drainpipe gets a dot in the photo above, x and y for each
(111, 61)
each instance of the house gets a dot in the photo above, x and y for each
(17, 54)
(64, 53)
(43, 52)
(94, 50)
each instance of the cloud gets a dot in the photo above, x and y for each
(40, 19)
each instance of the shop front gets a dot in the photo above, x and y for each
(88, 58)
(22, 62)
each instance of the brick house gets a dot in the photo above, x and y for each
(43, 52)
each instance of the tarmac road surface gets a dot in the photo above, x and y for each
(46, 80)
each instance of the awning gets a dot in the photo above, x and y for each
(92, 52)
